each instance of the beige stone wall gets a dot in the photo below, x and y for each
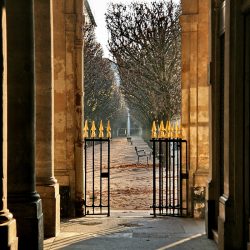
(60, 89)
(46, 184)
(195, 89)
(68, 20)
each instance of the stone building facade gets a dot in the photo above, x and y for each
(215, 113)
(42, 112)
(228, 194)
(46, 183)
(195, 95)
(68, 98)
(8, 231)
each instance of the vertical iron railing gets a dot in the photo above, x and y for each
(97, 194)
(170, 177)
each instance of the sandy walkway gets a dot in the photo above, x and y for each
(130, 182)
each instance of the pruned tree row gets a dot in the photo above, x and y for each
(145, 41)
(102, 95)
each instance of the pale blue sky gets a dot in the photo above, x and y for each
(99, 8)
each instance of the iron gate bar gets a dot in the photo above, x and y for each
(187, 173)
(85, 174)
(166, 176)
(93, 176)
(108, 177)
(101, 176)
(160, 178)
(173, 149)
(169, 177)
(154, 181)
(181, 177)
(93, 142)
(178, 175)
(173, 178)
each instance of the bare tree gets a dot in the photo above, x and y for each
(145, 43)
(102, 95)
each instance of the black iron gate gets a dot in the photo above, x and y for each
(97, 176)
(170, 177)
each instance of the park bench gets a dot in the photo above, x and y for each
(141, 153)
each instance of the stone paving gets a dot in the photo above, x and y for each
(131, 230)
(130, 225)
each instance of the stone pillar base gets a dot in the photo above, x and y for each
(79, 207)
(210, 217)
(29, 217)
(200, 178)
(51, 209)
(198, 194)
(248, 245)
(225, 239)
(8, 235)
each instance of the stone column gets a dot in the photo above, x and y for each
(68, 78)
(216, 129)
(23, 200)
(79, 107)
(232, 213)
(195, 94)
(70, 90)
(62, 153)
(7, 223)
(47, 185)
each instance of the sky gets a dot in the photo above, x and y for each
(99, 8)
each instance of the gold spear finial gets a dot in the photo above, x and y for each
(93, 129)
(161, 130)
(176, 130)
(85, 130)
(172, 131)
(101, 134)
(108, 130)
(166, 130)
(154, 131)
(169, 130)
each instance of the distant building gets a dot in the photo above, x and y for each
(89, 18)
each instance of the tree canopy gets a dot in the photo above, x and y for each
(145, 42)
(102, 96)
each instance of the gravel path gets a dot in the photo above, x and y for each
(130, 181)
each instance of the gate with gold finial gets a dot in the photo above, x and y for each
(97, 169)
(170, 171)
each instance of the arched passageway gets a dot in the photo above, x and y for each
(215, 60)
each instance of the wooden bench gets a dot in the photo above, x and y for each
(141, 153)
